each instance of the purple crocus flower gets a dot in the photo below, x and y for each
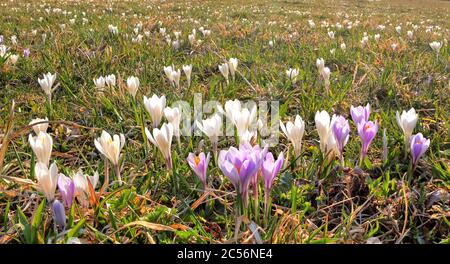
(66, 187)
(260, 154)
(59, 215)
(26, 53)
(367, 131)
(419, 146)
(199, 165)
(270, 168)
(341, 132)
(239, 166)
(360, 113)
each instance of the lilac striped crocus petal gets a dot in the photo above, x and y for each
(271, 168)
(419, 146)
(66, 187)
(341, 131)
(59, 215)
(367, 132)
(239, 166)
(228, 169)
(360, 113)
(199, 164)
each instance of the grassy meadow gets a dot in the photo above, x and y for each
(314, 199)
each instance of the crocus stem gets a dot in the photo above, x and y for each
(214, 147)
(106, 180)
(119, 178)
(297, 153)
(361, 158)
(49, 100)
(266, 206)
(256, 202)
(342, 159)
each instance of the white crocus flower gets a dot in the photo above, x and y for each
(47, 179)
(243, 120)
(377, 37)
(410, 34)
(111, 80)
(173, 115)
(100, 83)
(331, 34)
(407, 122)
(323, 126)
(212, 127)
(294, 132)
(436, 46)
(82, 185)
(42, 145)
(133, 85)
(292, 74)
(320, 63)
(187, 69)
(224, 69)
(155, 107)
(232, 65)
(39, 127)
(162, 138)
(47, 82)
(109, 146)
(176, 77)
(343, 46)
(113, 29)
(168, 71)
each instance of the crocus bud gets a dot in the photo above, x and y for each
(407, 122)
(133, 85)
(187, 69)
(59, 215)
(270, 169)
(341, 132)
(66, 187)
(292, 74)
(155, 107)
(42, 145)
(232, 65)
(175, 76)
(173, 115)
(419, 146)
(47, 179)
(162, 138)
(322, 120)
(320, 63)
(224, 69)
